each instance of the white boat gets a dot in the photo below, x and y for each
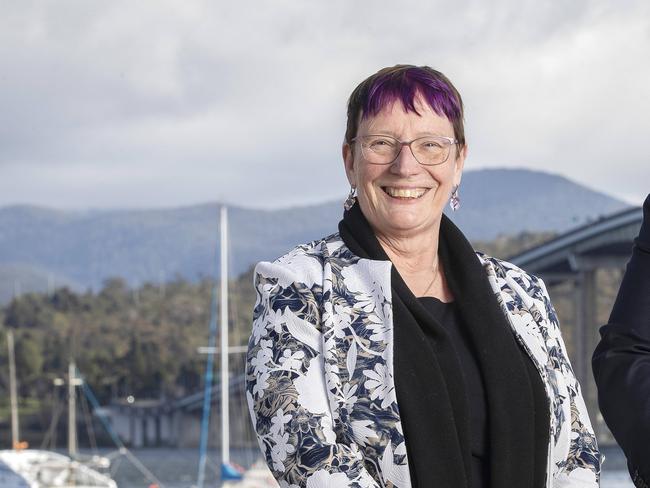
(38, 468)
(35, 468)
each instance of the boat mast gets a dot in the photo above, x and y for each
(15, 439)
(72, 410)
(211, 351)
(225, 425)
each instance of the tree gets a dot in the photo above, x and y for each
(29, 363)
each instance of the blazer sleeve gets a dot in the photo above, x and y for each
(582, 464)
(286, 385)
(621, 361)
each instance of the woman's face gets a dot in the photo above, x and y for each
(379, 186)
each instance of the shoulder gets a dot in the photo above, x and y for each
(503, 268)
(508, 275)
(292, 285)
(303, 264)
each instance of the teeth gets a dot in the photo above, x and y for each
(405, 192)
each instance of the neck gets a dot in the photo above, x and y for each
(414, 253)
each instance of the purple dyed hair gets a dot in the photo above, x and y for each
(403, 82)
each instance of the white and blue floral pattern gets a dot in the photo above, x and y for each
(319, 380)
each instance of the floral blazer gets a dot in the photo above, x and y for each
(320, 383)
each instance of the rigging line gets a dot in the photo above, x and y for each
(54, 421)
(51, 434)
(89, 423)
(235, 302)
(143, 469)
(233, 299)
(55, 431)
(113, 455)
(118, 442)
(115, 466)
(215, 469)
(207, 393)
(238, 365)
(101, 415)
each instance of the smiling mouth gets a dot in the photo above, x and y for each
(405, 193)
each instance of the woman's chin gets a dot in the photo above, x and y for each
(404, 222)
(394, 216)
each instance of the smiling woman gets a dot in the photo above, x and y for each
(402, 193)
(391, 354)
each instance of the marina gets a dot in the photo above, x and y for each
(176, 468)
(174, 443)
(333, 243)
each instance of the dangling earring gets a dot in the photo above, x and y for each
(454, 203)
(349, 201)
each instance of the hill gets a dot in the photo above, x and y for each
(43, 248)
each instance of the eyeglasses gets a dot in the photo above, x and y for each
(427, 150)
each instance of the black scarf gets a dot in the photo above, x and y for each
(432, 385)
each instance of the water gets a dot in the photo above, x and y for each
(616, 479)
(615, 474)
(177, 468)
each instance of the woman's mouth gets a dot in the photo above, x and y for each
(404, 193)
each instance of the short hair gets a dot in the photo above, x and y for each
(403, 82)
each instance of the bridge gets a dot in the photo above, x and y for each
(569, 265)
(572, 263)
(176, 423)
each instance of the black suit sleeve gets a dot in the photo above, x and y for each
(621, 361)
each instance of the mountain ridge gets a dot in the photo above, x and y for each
(82, 248)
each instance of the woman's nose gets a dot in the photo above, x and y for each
(405, 163)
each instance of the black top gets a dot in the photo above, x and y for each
(621, 361)
(447, 315)
(429, 383)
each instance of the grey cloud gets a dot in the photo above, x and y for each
(154, 103)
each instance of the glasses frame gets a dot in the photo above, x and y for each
(450, 140)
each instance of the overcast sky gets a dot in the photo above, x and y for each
(161, 103)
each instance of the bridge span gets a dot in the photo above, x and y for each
(582, 269)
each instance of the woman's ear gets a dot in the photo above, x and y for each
(459, 164)
(348, 162)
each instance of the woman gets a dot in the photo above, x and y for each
(621, 361)
(390, 354)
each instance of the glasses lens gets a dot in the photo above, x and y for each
(379, 149)
(431, 150)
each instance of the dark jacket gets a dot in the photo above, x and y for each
(621, 361)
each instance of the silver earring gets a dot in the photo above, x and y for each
(454, 203)
(349, 201)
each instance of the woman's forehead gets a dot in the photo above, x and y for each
(395, 117)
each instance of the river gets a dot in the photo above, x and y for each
(177, 468)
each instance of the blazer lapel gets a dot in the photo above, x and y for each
(358, 354)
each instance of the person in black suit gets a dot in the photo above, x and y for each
(621, 361)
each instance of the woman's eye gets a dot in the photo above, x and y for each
(431, 145)
(380, 143)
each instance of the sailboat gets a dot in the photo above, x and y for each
(38, 468)
(258, 476)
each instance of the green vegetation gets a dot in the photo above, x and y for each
(143, 341)
(126, 341)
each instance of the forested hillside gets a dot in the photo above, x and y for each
(139, 341)
(142, 341)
